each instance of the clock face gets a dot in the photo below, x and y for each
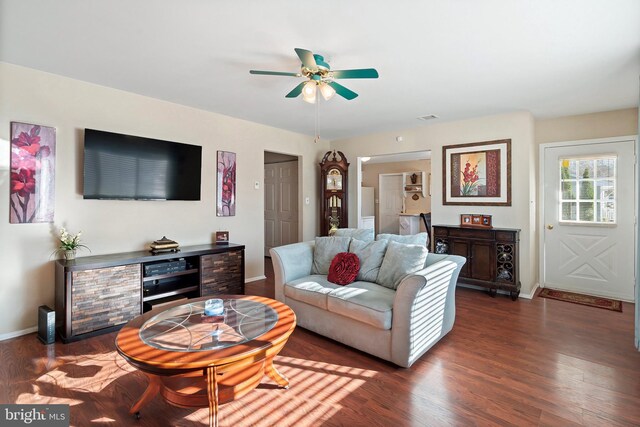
(334, 180)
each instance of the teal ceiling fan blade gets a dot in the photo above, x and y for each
(364, 73)
(296, 91)
(275, 73)
(343, 91)
(307, 59)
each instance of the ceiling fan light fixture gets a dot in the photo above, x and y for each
(327, 91)
(309, 92)
(318, 71)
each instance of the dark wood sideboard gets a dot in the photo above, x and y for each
(492, 255)
(99, 294)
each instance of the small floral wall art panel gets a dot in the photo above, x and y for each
(226, 189)
(32, 192)
(477, 173)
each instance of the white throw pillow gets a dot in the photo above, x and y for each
(399, 261)
(364, 234)
(370, 255)
(325, 250)
(409, 239)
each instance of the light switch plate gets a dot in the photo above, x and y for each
(256, 185)
(307, 201)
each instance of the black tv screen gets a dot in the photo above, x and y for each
(128, 167)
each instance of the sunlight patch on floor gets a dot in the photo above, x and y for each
(103, 420)
(84, 374)
(314, 381)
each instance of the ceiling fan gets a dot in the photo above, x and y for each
(320, 76)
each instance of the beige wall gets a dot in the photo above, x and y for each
(588, 126)
(118, 226)
(370, 178)
(519, 127)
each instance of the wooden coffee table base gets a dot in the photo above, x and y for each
(193, 375)
(215, 386)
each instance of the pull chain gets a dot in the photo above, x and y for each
(316, 139)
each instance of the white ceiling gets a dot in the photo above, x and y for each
(456, 59)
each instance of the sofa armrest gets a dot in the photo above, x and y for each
(424, 308)
(291, 262)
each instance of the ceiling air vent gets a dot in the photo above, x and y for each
(428, 117)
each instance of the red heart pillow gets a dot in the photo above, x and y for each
(344, 268)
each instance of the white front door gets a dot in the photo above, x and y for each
(390, 197)
(589, 218)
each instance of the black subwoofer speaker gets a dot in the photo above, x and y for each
(46, 324)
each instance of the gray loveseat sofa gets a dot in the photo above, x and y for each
(398, 325)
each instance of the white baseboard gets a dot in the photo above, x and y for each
(254, 279)
(531, 294)
(14, 334)
(481, 288)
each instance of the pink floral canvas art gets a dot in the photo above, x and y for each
(226, 189)
(32, 193)
(478, 173)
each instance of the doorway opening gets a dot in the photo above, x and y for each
(394, 190)
(282, 222)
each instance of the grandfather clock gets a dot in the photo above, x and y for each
(333, 189)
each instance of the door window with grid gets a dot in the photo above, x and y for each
(588, 190)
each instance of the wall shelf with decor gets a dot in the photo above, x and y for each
(414, 182)
(99, 294)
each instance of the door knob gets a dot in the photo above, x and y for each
(550, 226)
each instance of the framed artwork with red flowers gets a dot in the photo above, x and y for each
(32, 195)
(226, 188)
(477, 174)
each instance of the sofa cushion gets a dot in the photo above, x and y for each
(344, 268)
(326, 248)
(371, 255)
(312, 290)
(409, 239)
(399, 261)
(363, 234)
(363, 301)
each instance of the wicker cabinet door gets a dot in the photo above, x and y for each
(222, 274)
(105, 297)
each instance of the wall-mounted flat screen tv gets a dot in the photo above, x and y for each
(125, 167)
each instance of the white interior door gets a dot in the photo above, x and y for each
(287, 223)
(390, 197)
(589, 219)
(270, 211)
(280, 204)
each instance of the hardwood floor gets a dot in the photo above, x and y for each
(541, 362)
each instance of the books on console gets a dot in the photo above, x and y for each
(164, 245)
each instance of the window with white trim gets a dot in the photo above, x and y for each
(588, 190)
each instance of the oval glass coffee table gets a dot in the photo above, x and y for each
(194, 360)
